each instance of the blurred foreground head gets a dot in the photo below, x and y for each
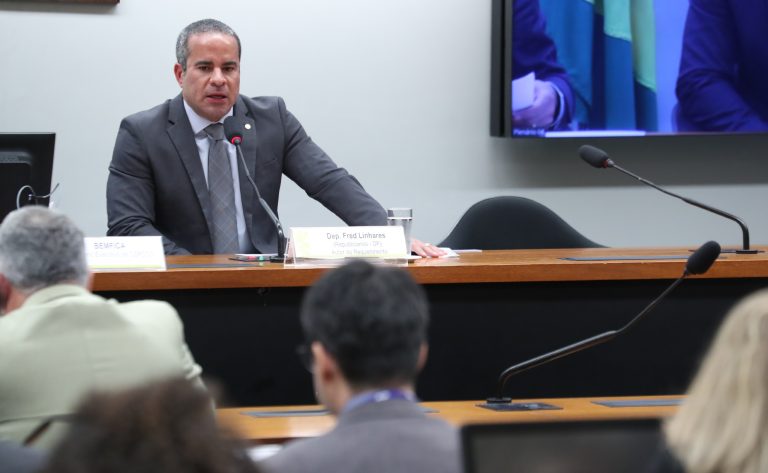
(722, 425)
(162, 427)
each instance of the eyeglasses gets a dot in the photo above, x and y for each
(305, 356)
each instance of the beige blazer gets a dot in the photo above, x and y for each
(65, 341)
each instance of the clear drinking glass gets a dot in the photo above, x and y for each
(402, 217)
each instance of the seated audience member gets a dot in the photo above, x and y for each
(722, 425)
(162, 427)
(59, 341)
(366, 331)
(16, 459)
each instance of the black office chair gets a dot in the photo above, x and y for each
(509, 223)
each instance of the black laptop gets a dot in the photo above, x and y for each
(609, 446)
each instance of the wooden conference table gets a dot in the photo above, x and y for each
(249, 423)
(489, 311)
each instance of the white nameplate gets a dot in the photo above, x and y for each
(126, 252)
(329, 243)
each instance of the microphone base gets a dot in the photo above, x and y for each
(744, 252)
(277, 259)
(739, 251)
(506, 404)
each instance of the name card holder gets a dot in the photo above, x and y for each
(125, 253)
(333, 246)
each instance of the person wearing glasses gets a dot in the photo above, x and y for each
(365, 327)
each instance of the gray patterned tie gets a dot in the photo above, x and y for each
(221, 190)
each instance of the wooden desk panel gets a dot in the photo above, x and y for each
(489, 310)
(485, 267)
(458, 413)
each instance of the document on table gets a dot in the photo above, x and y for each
(522, 91)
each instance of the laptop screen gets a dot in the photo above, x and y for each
(625, 446)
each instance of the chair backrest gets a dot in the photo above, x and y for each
(509, 223)
(599, 446)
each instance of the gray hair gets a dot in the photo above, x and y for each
(208, 25)
(39, 248)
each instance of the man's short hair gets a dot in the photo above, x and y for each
(208, 25)
(39, 248)
(371, 319)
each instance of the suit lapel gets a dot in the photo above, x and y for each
(249, 148)
(180, 133)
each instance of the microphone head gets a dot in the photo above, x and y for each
(595, 156)
(233, 130)
(701, 259)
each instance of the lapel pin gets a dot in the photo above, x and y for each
(247, 126)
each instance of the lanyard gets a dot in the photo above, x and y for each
(383, 395)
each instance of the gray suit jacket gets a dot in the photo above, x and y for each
(65, 341)
(388, 437)
(156, 183)
(15, 459)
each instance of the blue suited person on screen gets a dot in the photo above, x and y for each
(724, 67)
(551, 101)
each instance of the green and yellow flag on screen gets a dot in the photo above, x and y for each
(608, 48)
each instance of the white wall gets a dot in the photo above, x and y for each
(396, 91)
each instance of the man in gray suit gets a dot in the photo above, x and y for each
(159, 176)
(366, 331)
(59, 341)
(165, 178)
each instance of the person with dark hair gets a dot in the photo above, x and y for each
(174, 173)
(167, 426)
(366, 330)
(59, 341)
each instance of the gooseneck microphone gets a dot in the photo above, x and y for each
(598, 158)
(698, 263)
(233, 131)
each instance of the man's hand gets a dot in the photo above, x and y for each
(425, 250)
(541, 114)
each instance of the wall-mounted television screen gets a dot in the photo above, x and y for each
(565, 68)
